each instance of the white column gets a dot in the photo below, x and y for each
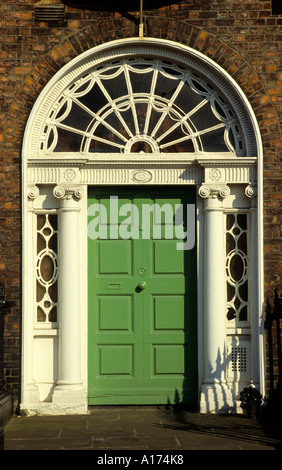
(30, 393)
(215, 393)
(256, 326)
(69, 394)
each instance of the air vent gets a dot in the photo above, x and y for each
(47, 10)
(239, 359)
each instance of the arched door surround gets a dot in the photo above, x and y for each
(140, 113)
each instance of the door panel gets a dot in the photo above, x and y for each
(115, 257)
(142, 342)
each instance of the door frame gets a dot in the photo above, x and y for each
(62, 185)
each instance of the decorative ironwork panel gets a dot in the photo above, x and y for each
(47, 268)
(142, 105)
(237, 267)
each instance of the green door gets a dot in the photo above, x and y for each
(142, 297)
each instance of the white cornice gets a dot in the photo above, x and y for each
(171, 159)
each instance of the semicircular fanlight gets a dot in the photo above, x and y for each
(142, 105)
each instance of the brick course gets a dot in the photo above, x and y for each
(241, 36)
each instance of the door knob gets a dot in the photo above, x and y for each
(142, 285)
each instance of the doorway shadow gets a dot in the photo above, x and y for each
(264, 428)
(189, 393)
(222, 426)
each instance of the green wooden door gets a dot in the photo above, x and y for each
(142, 299)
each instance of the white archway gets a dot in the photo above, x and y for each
(200, 131)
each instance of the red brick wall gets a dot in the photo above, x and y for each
(240, 35)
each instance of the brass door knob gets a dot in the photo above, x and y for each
(142, 285)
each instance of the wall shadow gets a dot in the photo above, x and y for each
(119, 7)
(112, 5)
(2, 380)
(272, 325)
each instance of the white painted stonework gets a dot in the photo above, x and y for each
(54, 354)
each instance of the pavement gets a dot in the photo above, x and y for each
(125, 430)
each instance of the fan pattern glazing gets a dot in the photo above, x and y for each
(141, 105)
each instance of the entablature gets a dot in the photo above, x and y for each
(143, 169)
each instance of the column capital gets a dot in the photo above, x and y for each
(32, 192)
(68, 192)
(251, 190)
(214, 191)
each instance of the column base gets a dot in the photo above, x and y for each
(65, 401)
(31, 395)
(217, 398)
(70, 399)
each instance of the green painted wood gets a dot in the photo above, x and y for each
(142, 343)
